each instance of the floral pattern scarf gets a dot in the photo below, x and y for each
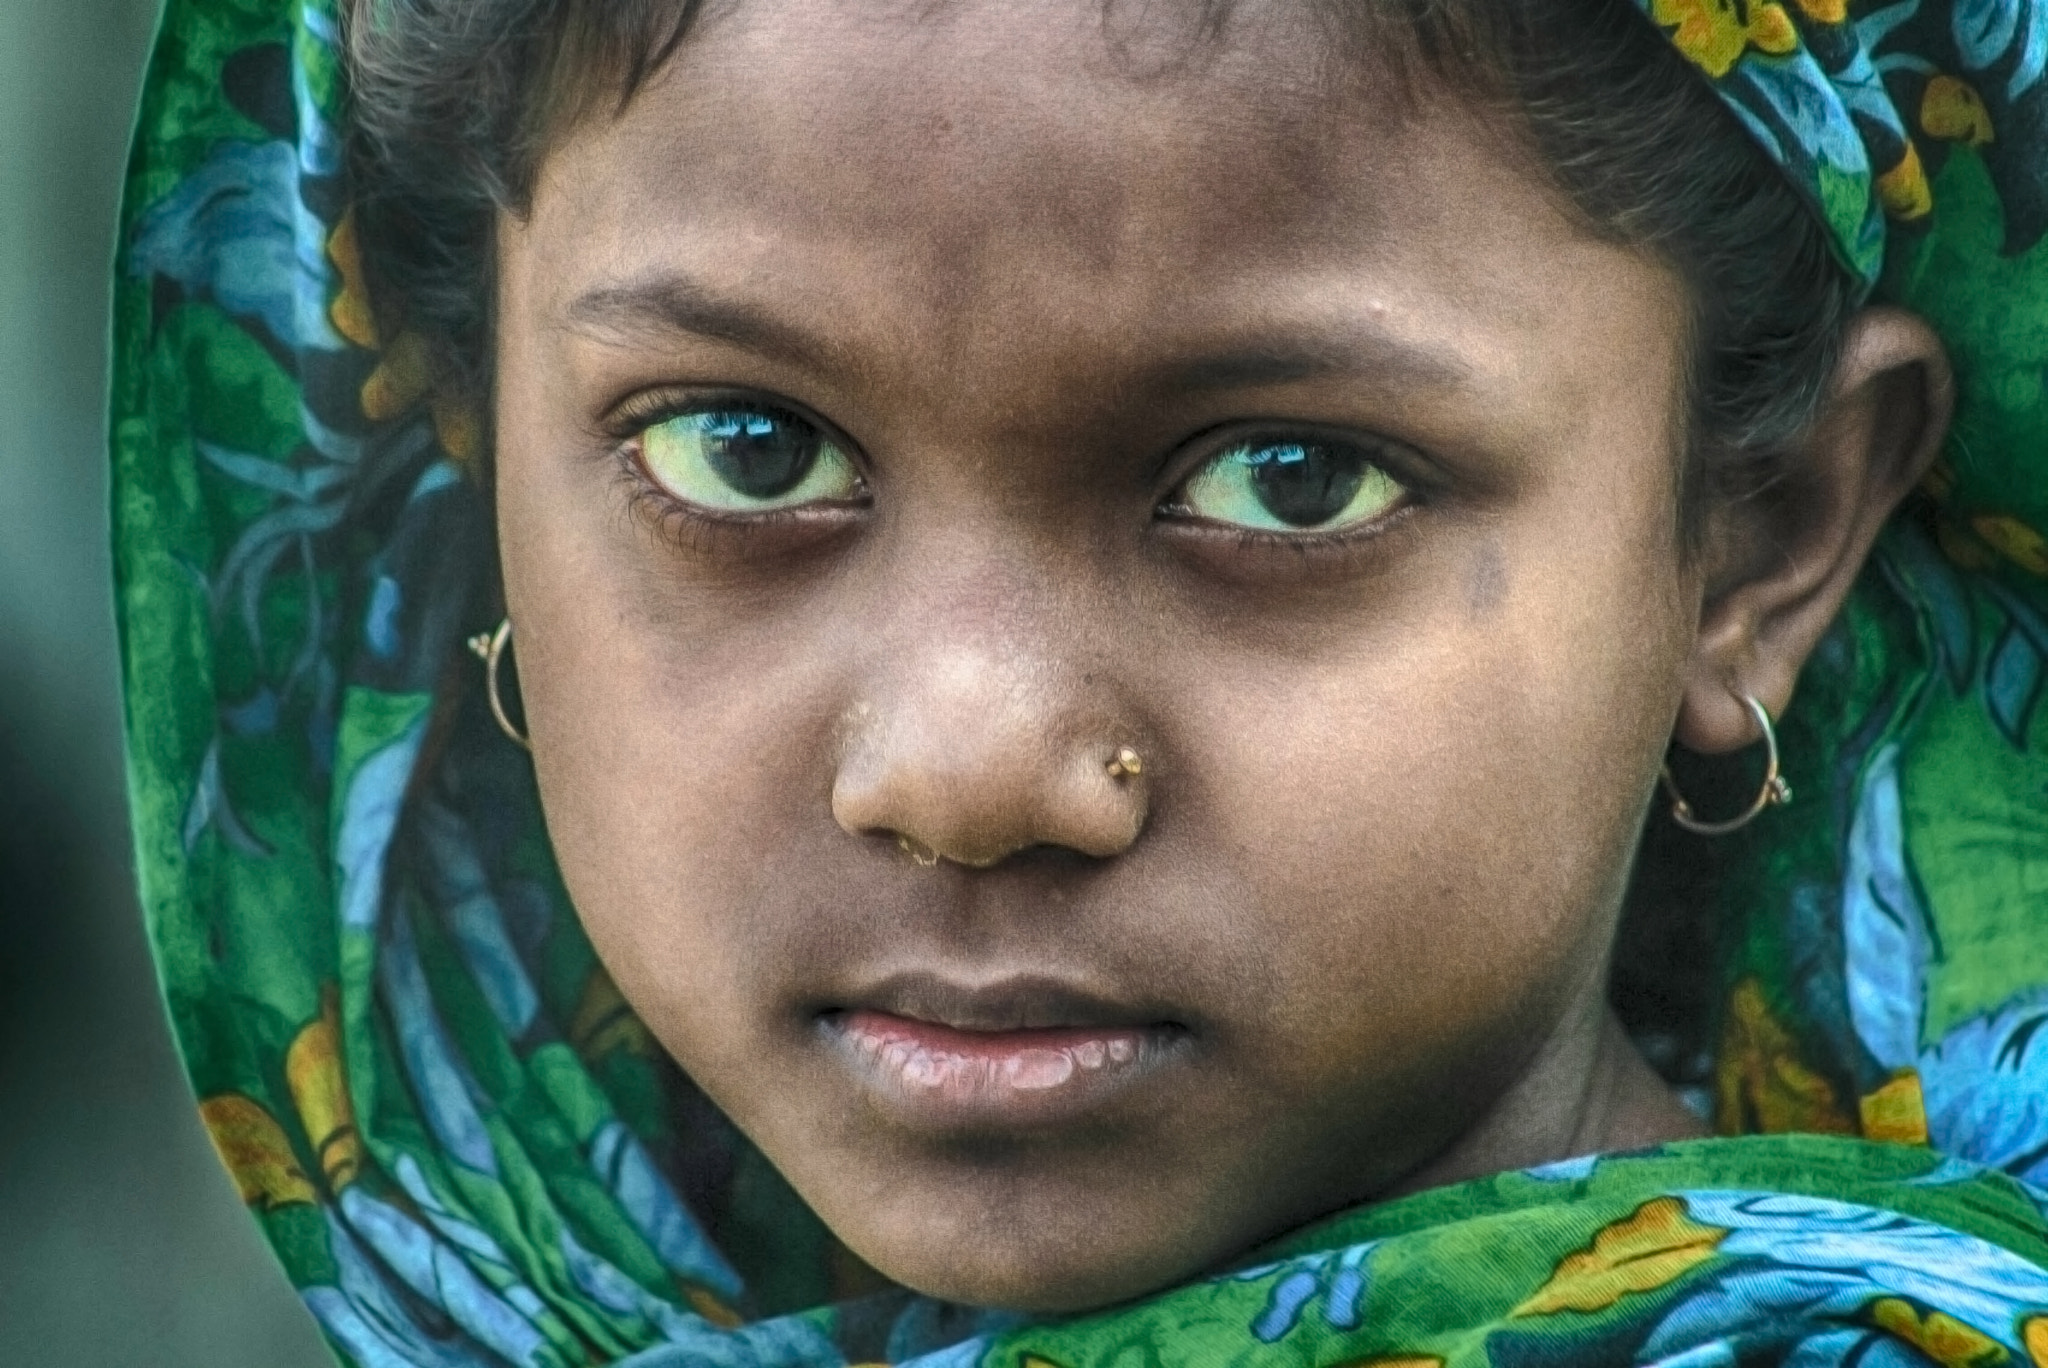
(465, 1149)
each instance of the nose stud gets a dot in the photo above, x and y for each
(1125, 764)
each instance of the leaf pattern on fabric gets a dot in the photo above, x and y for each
(1655, 1245)
(1884, 925)
(1761, 1083)
(1936, 1334)
(1339, 1277)
(255, 1151)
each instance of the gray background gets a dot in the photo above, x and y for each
(121, 1240)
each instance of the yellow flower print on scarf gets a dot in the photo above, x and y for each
(1904, 191)
(350, 312)
(1896, 1112)
(1937, 1334)
(2014, 540)
(257, 1155)
(2035, 1336)
(1953, 111)
(603, 1022)
(319, 1083)
(1715, 33)
(253, 1144)
(1640, 1253)
(1761, 1085)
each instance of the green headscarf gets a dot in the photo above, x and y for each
(467, 1151)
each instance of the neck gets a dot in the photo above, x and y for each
(1588, 1092)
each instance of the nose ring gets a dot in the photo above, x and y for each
(1126, 765)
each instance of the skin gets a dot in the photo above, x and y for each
(1021, 258)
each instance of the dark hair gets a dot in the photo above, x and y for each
(457, 101)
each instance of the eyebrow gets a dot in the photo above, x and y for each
(667, 306)
(664, 307)
(1288, 357)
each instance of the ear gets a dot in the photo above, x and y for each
(1785, 561)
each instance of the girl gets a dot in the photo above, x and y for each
(1102, 595)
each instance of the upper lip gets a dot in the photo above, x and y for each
(1019, 1003)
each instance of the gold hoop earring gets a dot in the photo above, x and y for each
(489, 647)
(1774, 793)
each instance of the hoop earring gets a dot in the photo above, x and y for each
(489, 647)
(1775, 791)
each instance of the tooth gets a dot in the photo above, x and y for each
(1089, 1054)
(928, 1070)
(897, 1055)
(1036, 1070)
(1123, 1049)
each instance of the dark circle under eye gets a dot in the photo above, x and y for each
(761, 455)
(1305, 484)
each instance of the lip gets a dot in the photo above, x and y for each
(1014, 1054)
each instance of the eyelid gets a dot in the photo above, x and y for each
(637, 412)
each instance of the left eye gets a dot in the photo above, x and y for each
(1291, 486)
(747, 460)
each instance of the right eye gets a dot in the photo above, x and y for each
(1324, 485)
(739, 459)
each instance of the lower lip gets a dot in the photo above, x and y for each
(953, 1076)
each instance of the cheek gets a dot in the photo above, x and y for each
(668, 747)
(1440, 817)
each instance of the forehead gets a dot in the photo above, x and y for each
(983, 91)
(1111, 180)
(1103, 131)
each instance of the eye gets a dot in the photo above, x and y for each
(1291, 486)
(738, 459)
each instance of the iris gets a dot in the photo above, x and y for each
(1292, 486)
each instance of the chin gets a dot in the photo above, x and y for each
(1051, 1288)
(1025, 1259)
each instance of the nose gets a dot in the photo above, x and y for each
(972, 751)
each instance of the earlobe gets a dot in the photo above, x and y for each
(1787, 559)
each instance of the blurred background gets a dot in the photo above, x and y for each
(121, 1239)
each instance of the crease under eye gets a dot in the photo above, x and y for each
(738, 458)
(1292, 485)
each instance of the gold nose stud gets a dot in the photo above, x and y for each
(1126, 765)
(921, 855)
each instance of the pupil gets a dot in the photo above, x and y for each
(759, 456)
(1306, 484)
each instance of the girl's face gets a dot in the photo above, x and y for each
(904, 409)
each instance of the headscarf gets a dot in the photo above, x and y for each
(467, 1151)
